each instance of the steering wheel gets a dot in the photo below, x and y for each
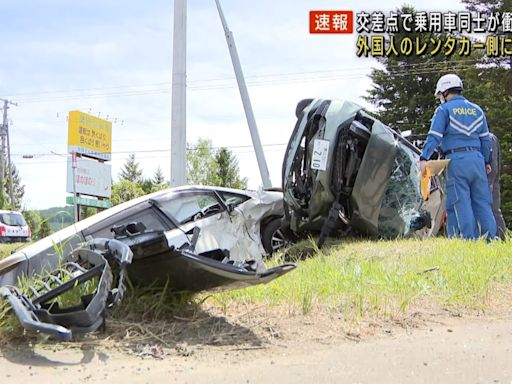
(211, 209)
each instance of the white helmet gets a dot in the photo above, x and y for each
(447, 82)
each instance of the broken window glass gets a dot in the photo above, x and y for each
(402, 200)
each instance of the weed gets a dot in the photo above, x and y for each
(385, 278)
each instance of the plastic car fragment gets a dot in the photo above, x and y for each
(182, 269)
(43, 307)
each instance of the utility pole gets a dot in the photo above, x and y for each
(4, 133)
(179, 96)
(9, 168)
(246, 101)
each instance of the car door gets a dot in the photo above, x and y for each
(205, 210)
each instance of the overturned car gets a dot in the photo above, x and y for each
(345, 171)
(186, 239)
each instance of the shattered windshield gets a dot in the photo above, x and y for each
(402, 199)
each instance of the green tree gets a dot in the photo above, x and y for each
(3, 200)
(58, 217)
(403, 90)
(86, 212)
(158, 182)
(205, 166)
(158, 177)
(146, 185)
(17, 187)
(44, 229)
(33, 219)
(201, 164)
(125, 190)
(228, 174)
(131, 170)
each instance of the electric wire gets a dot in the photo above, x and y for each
(265, 80)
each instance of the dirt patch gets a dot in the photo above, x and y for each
(422, 348)
(253, 328)
(260, 330)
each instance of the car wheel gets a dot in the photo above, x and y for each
(272, 237)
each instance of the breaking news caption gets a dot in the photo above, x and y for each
(431, 33)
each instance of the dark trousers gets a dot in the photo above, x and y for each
(494, 185)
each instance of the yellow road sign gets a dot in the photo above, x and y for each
(89, 135)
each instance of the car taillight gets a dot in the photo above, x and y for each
(29, 232)
(2, 230)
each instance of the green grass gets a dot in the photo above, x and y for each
(8, 249)
(361, 279)
(143, 304)
(356, 280)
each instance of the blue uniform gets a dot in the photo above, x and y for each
(460, 128)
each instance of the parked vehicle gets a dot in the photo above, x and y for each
(13, 227)
(344, 171)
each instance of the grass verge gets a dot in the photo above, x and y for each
(360, 279)
(356, 280)
(8, 249)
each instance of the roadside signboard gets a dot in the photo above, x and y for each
(88, 202)
(89, 135)
(92, 177)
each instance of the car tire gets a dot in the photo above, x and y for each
(272, 236)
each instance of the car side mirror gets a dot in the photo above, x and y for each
(230, 207)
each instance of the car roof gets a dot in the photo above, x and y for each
(210, 188)
(169, 192)
(7, 211)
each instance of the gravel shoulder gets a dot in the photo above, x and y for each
(442, 349)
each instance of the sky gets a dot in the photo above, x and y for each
(113, 59)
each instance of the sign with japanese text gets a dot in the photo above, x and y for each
(92, 177)
(433, 33)
(89, 135)
(430, 33)
(331, 21)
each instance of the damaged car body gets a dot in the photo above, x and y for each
(345, 171)
(188, 239)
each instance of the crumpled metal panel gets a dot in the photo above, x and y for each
(183, 270)
(242, 235)
(372, 179)
(306, 191)
(369, 182)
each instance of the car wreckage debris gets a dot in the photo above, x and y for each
(145, 256)
(42, 308)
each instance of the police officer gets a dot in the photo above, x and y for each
(460, 127)
(494, 185)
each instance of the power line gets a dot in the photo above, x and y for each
(225, 78)
(151, 150)
(261, 80)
